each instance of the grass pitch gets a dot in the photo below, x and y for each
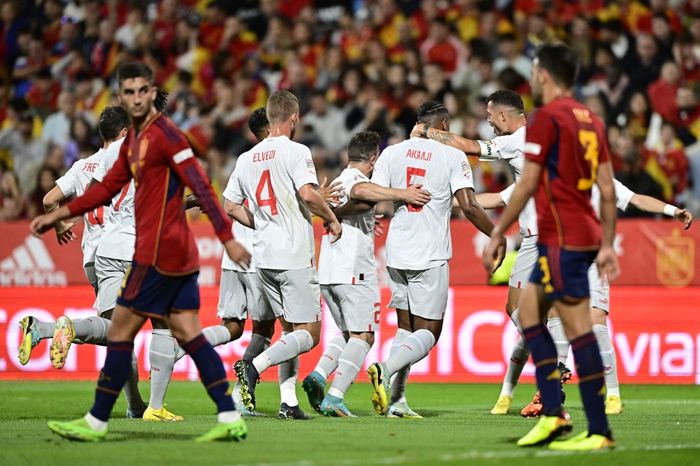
(660, 425)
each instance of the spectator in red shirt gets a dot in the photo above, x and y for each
(662, 92)
(443, 48)
(667, 163)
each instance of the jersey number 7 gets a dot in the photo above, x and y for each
(410, 173)
(270, 200)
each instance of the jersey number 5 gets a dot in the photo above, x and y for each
(589, 141)
(270, 200)
(410, 173)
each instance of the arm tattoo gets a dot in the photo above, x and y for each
(440, 136)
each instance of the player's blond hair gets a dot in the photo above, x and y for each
(281, 105)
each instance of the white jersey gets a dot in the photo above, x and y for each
(349, 260)
(623, 196)
(510, 148)
(269, 176)
(419, 238)
(119, 238)
(74, 183)
(242, 234)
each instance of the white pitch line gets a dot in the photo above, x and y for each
(476, 454)
(661, 402)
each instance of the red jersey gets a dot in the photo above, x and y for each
(569, 142)
(161, 162)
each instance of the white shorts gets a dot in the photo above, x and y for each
(91, 275)
(422, 292)
(599, 289)
(110, 275)
(524, 263)
(241, 295)
(293, 294)
(355, 308)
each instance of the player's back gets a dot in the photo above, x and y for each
(570, 142)
(419, 237)
(119, 237)
(269, 176)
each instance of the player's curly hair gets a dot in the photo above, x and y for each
(258, 124)
(432, 111)
(363, 145)
(507, 98)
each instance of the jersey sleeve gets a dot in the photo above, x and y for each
(303, 168)
(100, 193)
(623, 195)
(233, 191)
(498, 148)
(68, 182)
(181, 159)
(380, 175)
(539, 137)
(348, 183)
(507, 193)
(460, 173)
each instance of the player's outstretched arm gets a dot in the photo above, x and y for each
(607, 260)
(478, 217)
(468, 146)
(650, 204)
(490, 200)
(239, 213)
(372, 192)
(51, 201)
(317, 205)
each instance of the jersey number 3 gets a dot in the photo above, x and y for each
(270, 200)
(589, 141)
(410, 173)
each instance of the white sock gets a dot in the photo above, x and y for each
(607, 354)
(556, 329)
(287, 374)
(398, 380)
(415, 347)
(95, 423)
(518, 359)
(329, 359)
(216, 335)
(349, 365)
(290, 345)
(92, 330)
(227, 417)
(161, 354)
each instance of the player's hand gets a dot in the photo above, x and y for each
(335, 229)
(418, 130)
(685, 217)
(64, 234)
(416, 196)
(237, 253)
(43, 223)
(493, 255)
(331, 194)
(608, 266)
(378, 226)
(192, 201)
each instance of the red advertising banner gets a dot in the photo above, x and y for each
(655, 331)
(652, 253)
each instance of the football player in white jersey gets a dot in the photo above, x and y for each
(419, 245)
(113, 125)
(506, 115)
(278, 178)
(347, 273)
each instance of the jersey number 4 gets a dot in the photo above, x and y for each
(412, 172)
(589, 141)
(269, 201)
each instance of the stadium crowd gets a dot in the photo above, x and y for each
(355, 65)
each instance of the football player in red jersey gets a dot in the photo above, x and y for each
(566, 152)
(162, 280)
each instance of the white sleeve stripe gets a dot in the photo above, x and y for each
(532, 148)
(183, 155)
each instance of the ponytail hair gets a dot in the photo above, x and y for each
(161, 102)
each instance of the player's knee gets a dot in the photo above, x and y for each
(264, 328)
